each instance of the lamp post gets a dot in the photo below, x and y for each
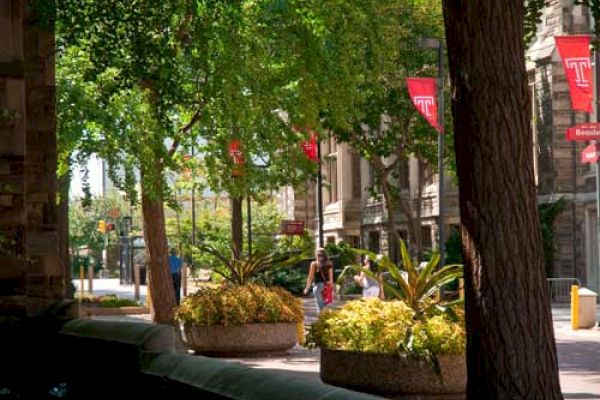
(249, 212)
(320, 195)
(434, 43)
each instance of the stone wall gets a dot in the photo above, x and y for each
(31, 272)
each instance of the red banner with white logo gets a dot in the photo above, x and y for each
(422, 93)
(590, 154)
(310, 147)
(235, 152)
(575, 53)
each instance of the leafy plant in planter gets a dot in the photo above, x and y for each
(241, 317)
(240, 320)
(375, 326)
(236, 305)
(417, 288)
(414, 344)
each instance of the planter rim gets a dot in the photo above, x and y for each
(416, 357)
(244, 324)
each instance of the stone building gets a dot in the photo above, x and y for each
(351, 214)
(32, 273)
(558, 168)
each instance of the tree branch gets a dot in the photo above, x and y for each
(195, 118)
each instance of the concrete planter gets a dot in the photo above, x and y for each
(88, 311)
(241, 340)
(393, 376)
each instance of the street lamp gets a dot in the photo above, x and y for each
(434, 43)
(320, 194)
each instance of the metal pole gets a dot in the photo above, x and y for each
(441, 149)
(597, 78)
(249, 212)
(320, 195)
(193, 212)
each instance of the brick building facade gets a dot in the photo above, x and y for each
(32, 274)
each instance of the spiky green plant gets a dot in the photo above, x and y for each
(417, 288)
(248, 268)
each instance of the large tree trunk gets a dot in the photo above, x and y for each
(237, 227)
(162, 292)
(511, 351)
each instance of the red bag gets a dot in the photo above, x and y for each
(328, 294)
(327, 290)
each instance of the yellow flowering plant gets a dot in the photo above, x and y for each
(417, 324)
(416, 287)
(388, 327)
(239, 304)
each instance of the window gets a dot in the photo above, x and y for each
(330, 240)
(428, 175)
(374, 241)
(426, 241)
(401, 174)
(394, 250)
(356, 182)
(353, 241)
(333, 181)
(373, 179)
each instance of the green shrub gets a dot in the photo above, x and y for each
(110, 301)
(292, 280)
(371, 325)
(236, 305)
(352, 288)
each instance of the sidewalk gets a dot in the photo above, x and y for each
(578, 356)
(578, 351)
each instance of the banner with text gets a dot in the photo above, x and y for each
(575, 53)
(422, 93)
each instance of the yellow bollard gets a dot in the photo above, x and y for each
(148, 299)
(300, 331)
(91, 279)
(574, 307)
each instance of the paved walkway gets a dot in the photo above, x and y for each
(578, 351)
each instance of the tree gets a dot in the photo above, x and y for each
(385, 127)
(511, 352)
(158, 63)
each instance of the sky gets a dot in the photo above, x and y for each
(95, 178)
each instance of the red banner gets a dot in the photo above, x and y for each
(575, 53)
(590, 154)
(310, 147)
(235, 152)
(422, 92)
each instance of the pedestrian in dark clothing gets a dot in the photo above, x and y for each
(175, 266)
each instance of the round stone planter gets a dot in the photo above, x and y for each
(394, 376)
(241, 340)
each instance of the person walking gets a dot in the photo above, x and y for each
(370, 286)
(175, 266)
(320, 275)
